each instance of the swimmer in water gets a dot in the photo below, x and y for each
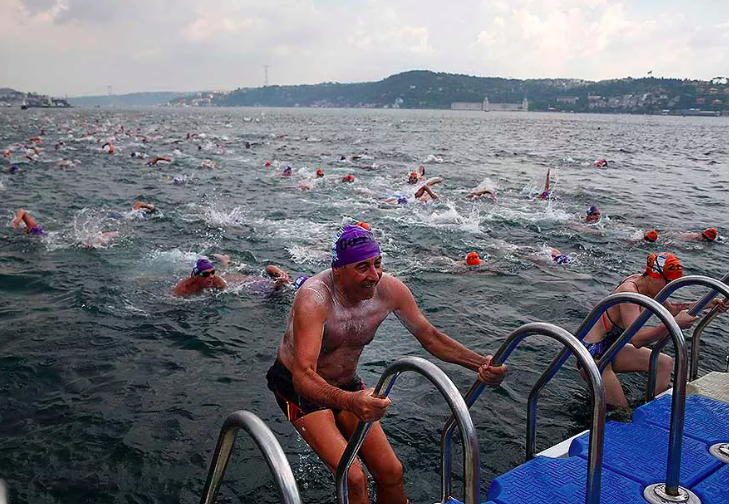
(348, 178)
(202, 277)
(545, 194)
(707, 235)
(472, 259)
(319, 173)
(155, 160)
(31, 226)
(651, 236)
(419, 195)
(314, 376)
(474, 194)
(141, 205)
(100, 240)
(593, 215)
(601, 163)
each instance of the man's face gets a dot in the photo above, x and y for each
(360, 279)
(206, 278)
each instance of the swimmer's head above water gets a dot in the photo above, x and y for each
(472, 259)
(664, 266)
(709, 234)
(593, 214)
(651, 235)
(203, 268)
(319, 173)
(413, 178)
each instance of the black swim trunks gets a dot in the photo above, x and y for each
(294, 406)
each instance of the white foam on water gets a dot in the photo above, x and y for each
(301, 254)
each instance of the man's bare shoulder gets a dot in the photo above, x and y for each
(316, 292)
(390, 286)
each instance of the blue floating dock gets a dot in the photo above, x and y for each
(640, 452)
(715, 488)
(560, 481)
(705, 419)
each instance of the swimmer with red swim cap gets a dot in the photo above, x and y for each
(651, 235)
(707, 235)
(660, 269)
(314, 377)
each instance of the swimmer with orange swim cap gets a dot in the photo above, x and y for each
(472, 259)
(660, 269)
(651, 236)
(348, 178)
(707, 235)
(319, 173)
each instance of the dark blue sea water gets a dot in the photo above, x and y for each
(113, 390)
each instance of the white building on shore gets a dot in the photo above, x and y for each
(487, 106)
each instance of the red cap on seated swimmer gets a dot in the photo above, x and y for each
(709, 234)
(651, 235)
(472, 259)
(663, 266)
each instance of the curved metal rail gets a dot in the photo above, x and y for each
(652, 306)
(446, 387)
(717, 287)
(594, 467)
(266, 442)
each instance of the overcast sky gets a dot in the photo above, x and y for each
(79, 47)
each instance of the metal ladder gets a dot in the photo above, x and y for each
(717, 287)
(445, 386)
(268, 445)
(670, 491)
(571, 344)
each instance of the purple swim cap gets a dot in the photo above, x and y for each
(202, 265)
(562, 259)
(354, 244)
(593, 209)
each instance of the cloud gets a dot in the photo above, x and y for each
(81, 46)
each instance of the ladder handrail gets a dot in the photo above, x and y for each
(267, 443)
(652, 306)
(594, 467)
(717, 286)
(471, 467)
(696, 343)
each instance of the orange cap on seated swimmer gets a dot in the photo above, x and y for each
(363, 225)
(472, 259)
(663, 266)
(651, 235)
(709, 234)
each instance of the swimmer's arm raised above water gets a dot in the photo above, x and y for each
(309, 316)
(437, 343)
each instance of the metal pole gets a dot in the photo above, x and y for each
(594, 468)
(268, 445)
(449, 391)
(696, 343)
(561, 358)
